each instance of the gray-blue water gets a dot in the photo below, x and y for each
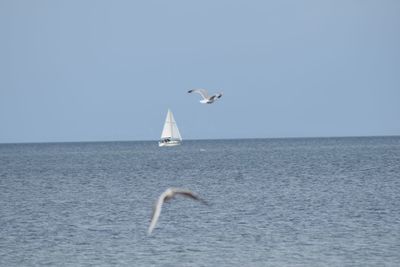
(275, 202)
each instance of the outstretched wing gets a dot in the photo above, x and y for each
(189, 194)
(156, 213)
(202, 92)
(215, 96)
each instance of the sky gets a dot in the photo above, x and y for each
(100, 70)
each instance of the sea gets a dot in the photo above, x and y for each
(272, 202)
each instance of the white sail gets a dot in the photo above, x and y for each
(170, 129)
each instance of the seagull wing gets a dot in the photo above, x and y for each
(212, 97)
(156, 212)
(216, 96)
(189, 194)
(202, 92)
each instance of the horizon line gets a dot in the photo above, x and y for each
(200, 139)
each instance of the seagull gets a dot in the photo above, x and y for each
(165, 196)
(204, 94)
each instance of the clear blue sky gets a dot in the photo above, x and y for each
(109, 70)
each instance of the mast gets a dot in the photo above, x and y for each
(171, 122)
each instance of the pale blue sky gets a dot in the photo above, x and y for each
(108, 70)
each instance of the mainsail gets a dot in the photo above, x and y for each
(170, 129)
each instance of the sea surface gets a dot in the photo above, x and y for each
(273, 202)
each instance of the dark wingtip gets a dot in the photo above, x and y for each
(190, 91)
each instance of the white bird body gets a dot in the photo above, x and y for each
(165, 196)
(204, 94)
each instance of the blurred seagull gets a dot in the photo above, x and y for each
(204, 94)
(167, 195)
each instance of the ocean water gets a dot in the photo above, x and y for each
(274, 202)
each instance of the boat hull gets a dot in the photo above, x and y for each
(168, 144)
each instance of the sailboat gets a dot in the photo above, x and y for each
(170, 135)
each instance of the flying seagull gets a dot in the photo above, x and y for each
(167, 195)
(204, 94)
